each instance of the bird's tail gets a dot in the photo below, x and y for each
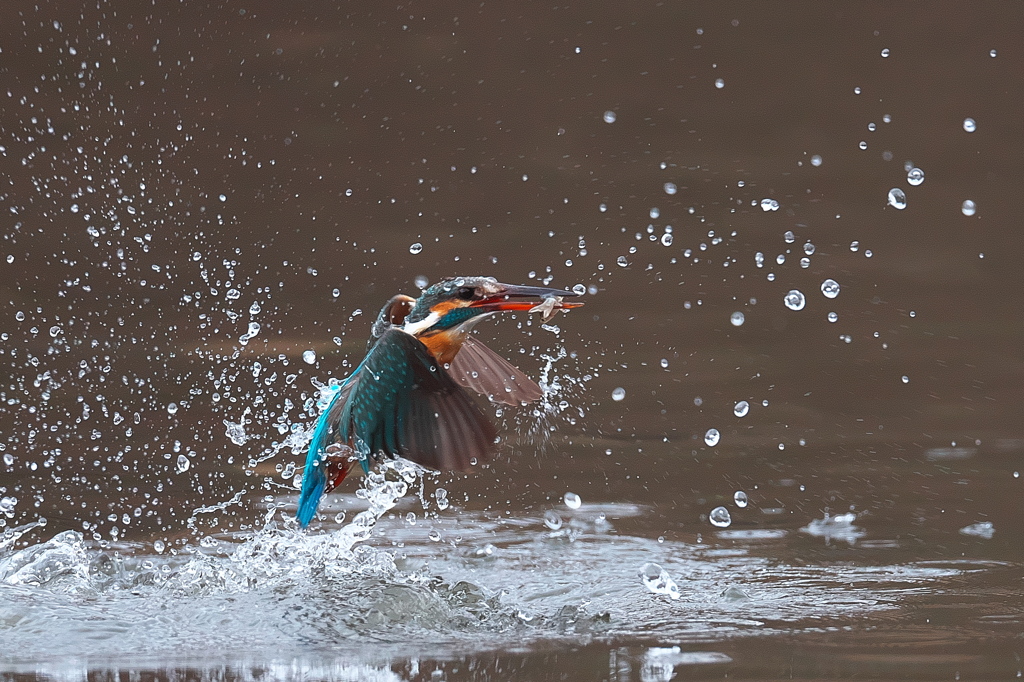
(314, 476)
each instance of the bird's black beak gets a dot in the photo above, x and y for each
(517, 297)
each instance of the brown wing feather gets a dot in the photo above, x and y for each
(445, 430)
(403, 403)
(479, 368)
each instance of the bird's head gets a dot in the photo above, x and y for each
(456, 303)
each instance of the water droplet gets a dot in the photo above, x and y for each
(719, 83)
(415, 248)
(621, 261)
(712, 437)
(741, 408)
(421, 282)
(255, 309)
(552, 520)
(655, 213)
(833, 317)
(856, 91)
(658, 581)
(441, 496)
(863, 144)
(434, 536)
(789, 237)
(618, 394)
(992, 53)
(816, 160)
(602, 208)
(666, 239)
(664, 363)
(289, 471)
(968, 208)
(769, 205)
(737, 319)
(609, 117)
(795, 300)
(897, 198)
(8, 459)
(309, 357)
(579, 289)
(809, 249)
(183, 464)
(915, 176)
(55, 331)
(670, 188)
(740, 498)
(254, 329)
(885, 52)
(969, 125)
(223, 197)
(236, 432)
(172, 408)
(572, 500)
(720, 517)
(830, 288)
(7, 505)
(159, 546)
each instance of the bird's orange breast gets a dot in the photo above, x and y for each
(443, 345)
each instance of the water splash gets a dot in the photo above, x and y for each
(839, 527)
(554, 406)
(982, 529)
(62, 557)
(11, 535)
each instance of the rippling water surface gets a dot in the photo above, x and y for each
(782, 439)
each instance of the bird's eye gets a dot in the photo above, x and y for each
(466, 293)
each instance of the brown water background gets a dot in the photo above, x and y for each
(173, 172)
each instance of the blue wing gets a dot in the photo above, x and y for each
(399, 402)
(406, 405)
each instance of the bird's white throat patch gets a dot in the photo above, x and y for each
(414, 328)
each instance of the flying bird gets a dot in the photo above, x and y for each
(408, 397)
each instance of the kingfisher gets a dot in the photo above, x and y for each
(408, 398)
